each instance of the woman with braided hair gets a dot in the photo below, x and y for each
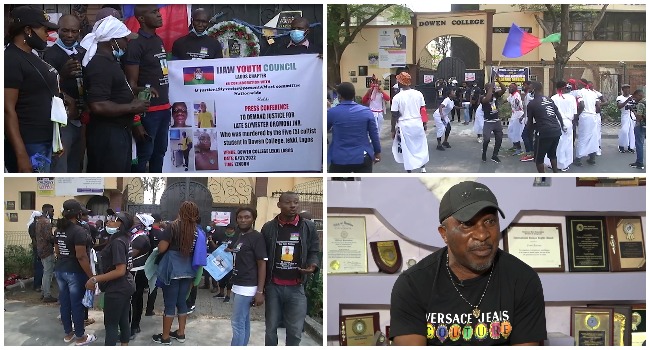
(175, 270)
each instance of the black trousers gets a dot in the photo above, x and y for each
(191, 300)
(137, 300)
(151, 299)
(109, 148)
(226, 281)
(365, 167)
(116, 314)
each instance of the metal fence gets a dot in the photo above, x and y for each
(20, 238)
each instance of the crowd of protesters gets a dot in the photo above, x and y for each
(126, 257)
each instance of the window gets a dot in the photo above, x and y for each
(27, 200)
(615, 26)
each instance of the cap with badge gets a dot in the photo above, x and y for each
(466, 199)
(33, 17)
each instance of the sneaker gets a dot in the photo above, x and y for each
(134, 331)
(629, 150)
(483, 157)
(157, 338)
(496, 159)
(637, 166)
(226, 299)
(446, 144)
(191, 310)
(440, 148)
(89, 339)
(174, 335)
(621, 149)
(479, 140)
(423, 170)
(527, 158)
(220, 295)
(50, 299)
(149, 313)
(564, 170)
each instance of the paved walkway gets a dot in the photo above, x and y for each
(29, 322)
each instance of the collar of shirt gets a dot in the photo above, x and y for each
(145, 34)
(304, 43)
(293, 222)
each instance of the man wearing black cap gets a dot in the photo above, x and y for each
(229, 237)
(470, 292)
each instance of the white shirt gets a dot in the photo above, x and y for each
(408, 104)
(447, 105)
(376, 101)
(566, 105)
(589, 98)
(625, 113)
(515, 102)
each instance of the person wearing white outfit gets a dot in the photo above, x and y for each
(441, 118)
(409, 138)
(625, 104)
(374, 99)
(515, 126)
(587, 133)
(566, 104)
(478, 122)
(599, 119)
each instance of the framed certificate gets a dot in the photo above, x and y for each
(346, 244)
(538, 245)
(586, 244)
(592, 326)
(359, 329)
(625, 243)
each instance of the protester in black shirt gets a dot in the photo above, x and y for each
(116, 282)
(110, 98)
(248, 275)
(492, 124)
(229, 237)
(72, 270)
(545, 120)
(154, 237)
(30, 84)
(470, 292)
(197, 44)
(65, 55)
(297, 42)
(139, 252)
(146, 63)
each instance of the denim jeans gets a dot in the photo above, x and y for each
(44, 149)
(71, 292)
(466, 114)
(240, 320)
(639, 141)
(38, 270)
(287, 304)
(48, 271)
(153, 151)
(174, 296)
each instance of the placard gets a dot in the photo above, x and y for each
(247, 114)
(538, 245)
(346, 244)
(592, 326)
(625, 243)
(392, 47)
(220, 218)
(586, 244)
(78, 186)
(359, 329)
(45, 186)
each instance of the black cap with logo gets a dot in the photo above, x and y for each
(33, 17)
(464, 200)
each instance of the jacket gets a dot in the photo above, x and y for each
(309, 243)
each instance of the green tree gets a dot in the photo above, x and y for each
(556, 18)
(344, 22)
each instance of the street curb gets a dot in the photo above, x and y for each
(20, 284)
(314, 329)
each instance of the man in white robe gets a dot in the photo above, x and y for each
(409, 138)
(625, 104)
(587, 133)
(515, 126)
(568, 108)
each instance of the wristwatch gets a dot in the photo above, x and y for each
(93, 279)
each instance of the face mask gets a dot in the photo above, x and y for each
(119, 52)
(82, 222)
(35, 42)
(112, 230)
(208, 229)
(62, 45)
(297, 35)
(205, 32)
(230, 234)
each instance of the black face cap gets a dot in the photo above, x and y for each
(464, 200)
(33, 17)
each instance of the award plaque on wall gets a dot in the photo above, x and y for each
(622, 323)
(592, 326)
(346, 244)
(586, 244)
(359, 329)
(387, 255)
(638, 324)
(538, 245)
(625, 243)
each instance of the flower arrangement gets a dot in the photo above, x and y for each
(248, 41)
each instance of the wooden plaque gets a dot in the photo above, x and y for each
(387, 256)
(625, 243)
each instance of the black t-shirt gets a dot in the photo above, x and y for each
(491, 109)
(546, 117)
(139, 241)
(282, 47)
(74, 235)
(192, 47)
(148, 52)
(154, 237)
(34, 104)
(220, 238)
(287, 254)
(250, 248)
(169, 236)
(105, 81)
(55, 56)
(425, 302)
(117, 253)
